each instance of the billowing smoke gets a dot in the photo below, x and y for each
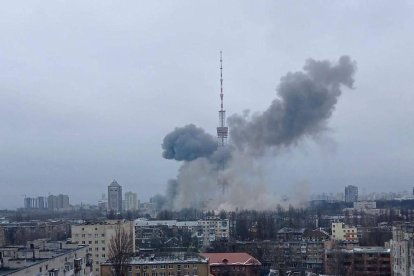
(306, 100)
(188, 143)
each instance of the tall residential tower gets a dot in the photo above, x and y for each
(115, 197)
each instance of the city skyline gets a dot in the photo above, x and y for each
(86, 101)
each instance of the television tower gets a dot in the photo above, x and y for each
(222, 129)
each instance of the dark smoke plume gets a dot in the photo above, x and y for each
(188, 143)
(306, 100)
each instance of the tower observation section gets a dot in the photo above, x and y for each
(222, 129)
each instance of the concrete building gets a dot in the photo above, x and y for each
(233, 264)
(358, 261)
(342, 232)
(44, 258)
(164, 265)
(351, 193)
(98, 237)
(131, 201)
(402, 249)
(206, 231)
(115, 197)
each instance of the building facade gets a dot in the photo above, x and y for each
(358, 261)
(115, 197)
(173, 264)
(98, 237)
(342, 232)
(44, 258)
(402, 249)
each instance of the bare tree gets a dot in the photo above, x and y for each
(120, 250)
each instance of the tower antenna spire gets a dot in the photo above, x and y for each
(222, 129)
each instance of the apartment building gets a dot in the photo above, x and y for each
(342, 232)
(98, 237)
(358, 261)
(205, 231)
(174, 264)
(44, 258)
(402, 249)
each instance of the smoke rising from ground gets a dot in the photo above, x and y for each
(306, 100)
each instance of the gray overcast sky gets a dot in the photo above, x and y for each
(88, 89)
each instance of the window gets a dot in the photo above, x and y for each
(102, 235)
(90, 242)
(170, 266)
(178, 267)
(96, 242)
(83, 235)
(103, 248)
(103, 255)
(154, 267)
(83, 242)
(186, 266)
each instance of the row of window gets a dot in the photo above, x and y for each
(89, 235)
(162, 266)
(161, 274)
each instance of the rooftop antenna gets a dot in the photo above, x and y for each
(222, 129)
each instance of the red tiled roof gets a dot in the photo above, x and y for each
(231, 259)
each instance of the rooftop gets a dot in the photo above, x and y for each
(240, 258)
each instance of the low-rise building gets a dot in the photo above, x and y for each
(42, 257)
(342, 232)
(163, 265)
(205, 231)
(233, 264)
(98, 237)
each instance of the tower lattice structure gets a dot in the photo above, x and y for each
(222, 129)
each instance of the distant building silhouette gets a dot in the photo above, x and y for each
(58, 203)
(131, 201)
(351, 193)
(115, 197)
